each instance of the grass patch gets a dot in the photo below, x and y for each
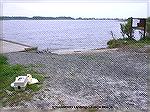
(8, 73)
(3, 60)
(36, 65)
(130, 42)
(15, 97)
(92, 110)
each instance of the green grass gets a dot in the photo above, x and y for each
(36, 65)
(3, 60)
(15, 97)
(8, 73)
(121, 42)
(92, 110)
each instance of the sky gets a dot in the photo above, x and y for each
(78, 8)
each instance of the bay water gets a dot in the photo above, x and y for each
(61, 34)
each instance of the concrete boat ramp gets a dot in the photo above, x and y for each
(7, 46)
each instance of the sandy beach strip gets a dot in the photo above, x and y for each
(83, 51)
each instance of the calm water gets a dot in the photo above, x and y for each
(61, 34)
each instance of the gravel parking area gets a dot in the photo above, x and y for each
(112, 79)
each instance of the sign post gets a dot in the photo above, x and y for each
(140, 26)
(131, 29)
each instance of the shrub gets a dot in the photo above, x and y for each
(145, 40)
(113, 43)
(121, 42)
(3, 59)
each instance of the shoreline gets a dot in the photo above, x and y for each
(11, 46)
(81, 51)
(8, 46)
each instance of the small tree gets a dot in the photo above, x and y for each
(112, 34)
(148, 26)
(126, 29)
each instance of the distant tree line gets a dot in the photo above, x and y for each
(52, 18)
(13, 18)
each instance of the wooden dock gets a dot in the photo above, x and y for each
(7, 46)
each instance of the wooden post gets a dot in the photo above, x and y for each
(140, 26)
(131, 27)
(144, 29)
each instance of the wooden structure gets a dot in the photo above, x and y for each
(140, 26)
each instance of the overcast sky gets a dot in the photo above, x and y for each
(84, 8)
